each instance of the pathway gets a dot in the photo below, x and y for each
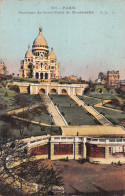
(16, 111)
(54, 111)
(100, 105)
(91, 110)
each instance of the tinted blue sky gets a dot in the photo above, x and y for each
(84, 43)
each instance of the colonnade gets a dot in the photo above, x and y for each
(42, 75)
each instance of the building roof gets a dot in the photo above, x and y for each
(28, 53)
(40, 40)
(113, 72)
(52, 54)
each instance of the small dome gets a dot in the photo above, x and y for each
(52, 54)
(40, 40)
(28, 53)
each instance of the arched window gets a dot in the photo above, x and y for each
(41, 75)
(37, 75)
(46, 75)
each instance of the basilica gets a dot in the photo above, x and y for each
(39, 63)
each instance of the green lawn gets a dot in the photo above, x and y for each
(63, 100)
(39, 114)
(11, 129)
(7, 99)
(90, 100)
(10, 100)
(114, 116)
(109, 105)
(77, 116)
(100, 96)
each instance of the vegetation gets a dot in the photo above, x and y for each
(15, 129)
(110, 105)
(18, 79)
(77, 116)
(116, 103)
(102, 96)
(62, 100)
(39, 114)
(42, 174)
(90, 100)
(11, 129)
(114, 116)
(10, 100)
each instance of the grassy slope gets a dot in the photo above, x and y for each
(63, 100)
(10, 100)
(114, 116)
(90, 100)
(77, 116)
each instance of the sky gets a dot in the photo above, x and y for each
(88, 36)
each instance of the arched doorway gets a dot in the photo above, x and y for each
(53, 91)
(42, 91)
(37, 75)
(46, 75)
(64, 92)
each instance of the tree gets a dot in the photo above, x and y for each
(19, 177)
(101, 76)
(5, 69)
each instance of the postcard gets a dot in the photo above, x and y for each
(62, 97)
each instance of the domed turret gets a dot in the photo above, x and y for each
(40, 40)
(52, 54)
(28, 53)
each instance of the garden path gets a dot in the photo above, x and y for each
(100, 105)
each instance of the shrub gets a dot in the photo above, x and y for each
(52, 123)
(63, 113)
(6, 94)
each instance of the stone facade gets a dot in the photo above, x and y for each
(95, 150)
(60, 89)
(39, 63)
(112, 79)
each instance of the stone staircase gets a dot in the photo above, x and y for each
(54, 111)
(91, 110)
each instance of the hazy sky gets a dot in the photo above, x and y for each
(84, 43)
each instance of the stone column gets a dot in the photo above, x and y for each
(84, 148)
(106, 152)
(81, 91)
(36, 89)
(43, 75)
(73, 91)
(68, 90)
(34, 74)
(58, 90)
(31, 89)
(48, 76)
(47, 89)
(51, 150)
(24, 73)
